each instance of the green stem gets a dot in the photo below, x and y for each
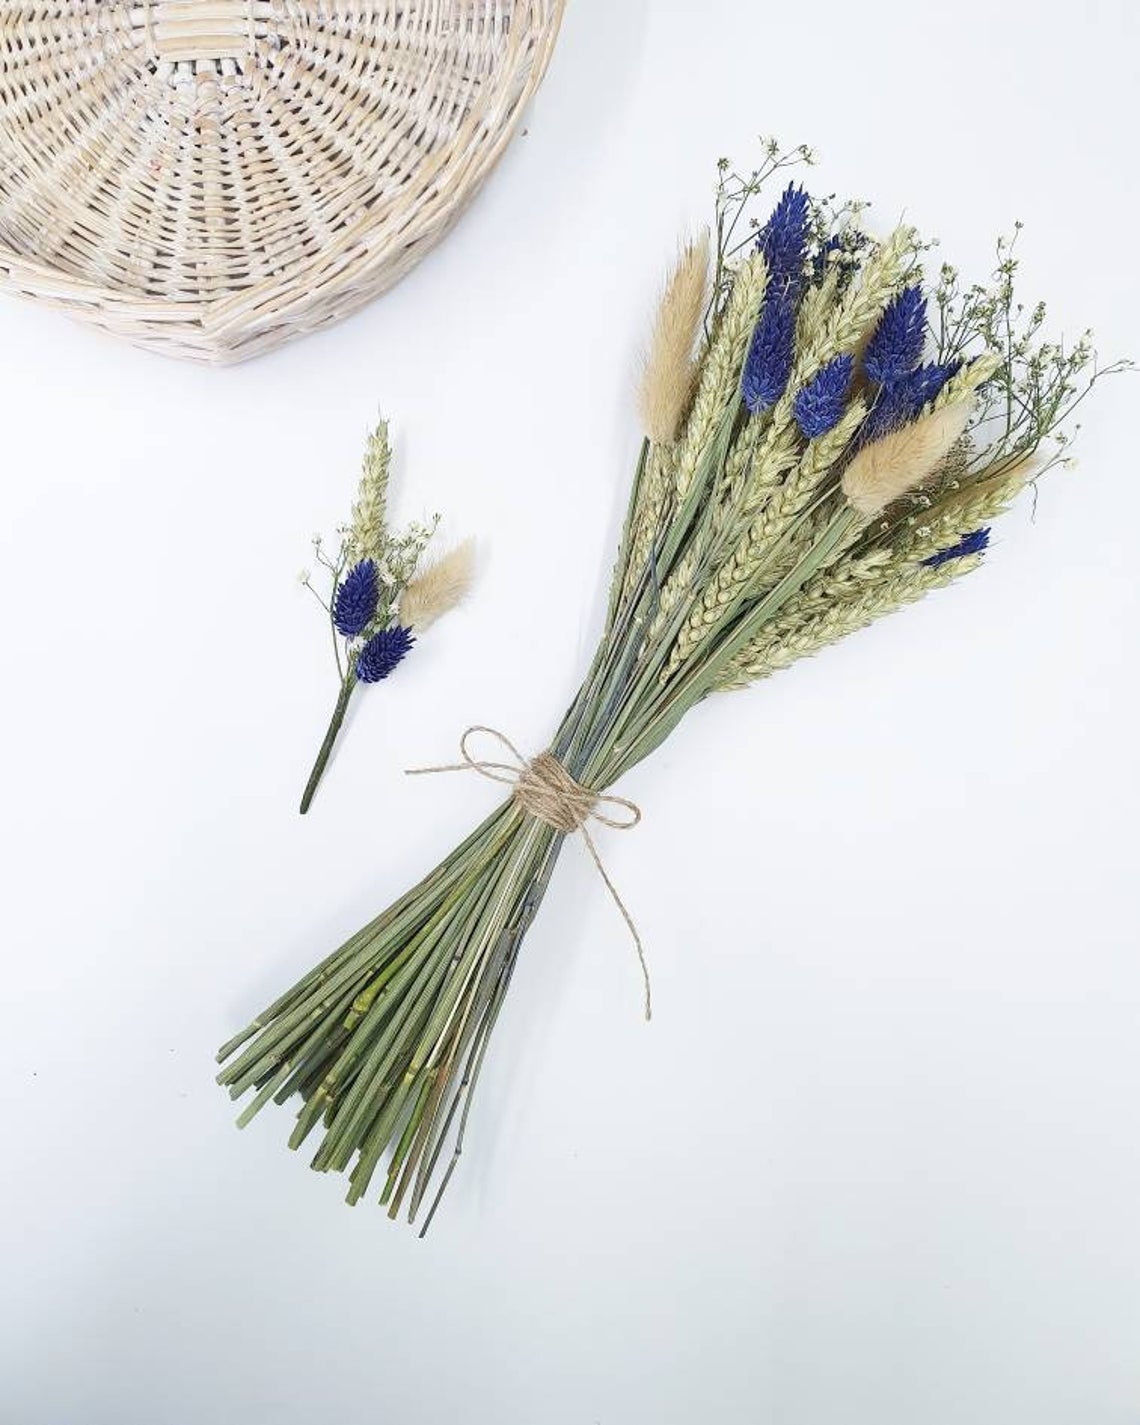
(346, 687)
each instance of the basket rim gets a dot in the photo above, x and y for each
(281, 299)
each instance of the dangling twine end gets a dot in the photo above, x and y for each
(546, 790)
(638, 946)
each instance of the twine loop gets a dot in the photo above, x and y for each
(544, 789)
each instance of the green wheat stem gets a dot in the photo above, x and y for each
(347, 686)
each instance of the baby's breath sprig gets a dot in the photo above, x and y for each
(734, 223)
(379, 597)
(832, 442)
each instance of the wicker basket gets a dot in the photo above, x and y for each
(213, 177)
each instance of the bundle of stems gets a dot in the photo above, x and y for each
(824, 443)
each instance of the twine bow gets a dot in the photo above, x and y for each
(546, 790)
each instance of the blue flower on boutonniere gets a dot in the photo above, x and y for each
(382, 594)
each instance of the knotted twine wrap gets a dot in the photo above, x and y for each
(546, 790)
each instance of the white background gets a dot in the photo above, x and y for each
(877, 1159)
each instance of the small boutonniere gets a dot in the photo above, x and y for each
(382, 593)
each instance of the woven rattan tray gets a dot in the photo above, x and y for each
(213, 177)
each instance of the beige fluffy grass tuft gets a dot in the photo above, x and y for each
(902, 460)
(667, 382)
(442, 585)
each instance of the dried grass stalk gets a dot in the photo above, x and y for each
(667, 383)
(902, 460)
(443, 584)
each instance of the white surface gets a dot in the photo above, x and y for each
(877, 1159)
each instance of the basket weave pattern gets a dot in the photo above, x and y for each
(213, 177)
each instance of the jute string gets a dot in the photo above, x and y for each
(546, 790)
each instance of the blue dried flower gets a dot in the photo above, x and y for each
(783, 241)
(783, 238)
(822, 259)
(896, 345)
(382, 652)
(972, 543)
(820, 404)
(903, 401)
(768, 364)
(922, 385)
(356, 599)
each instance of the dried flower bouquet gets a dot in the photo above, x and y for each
(827, 439)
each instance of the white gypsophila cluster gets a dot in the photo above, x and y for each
(400, 554)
